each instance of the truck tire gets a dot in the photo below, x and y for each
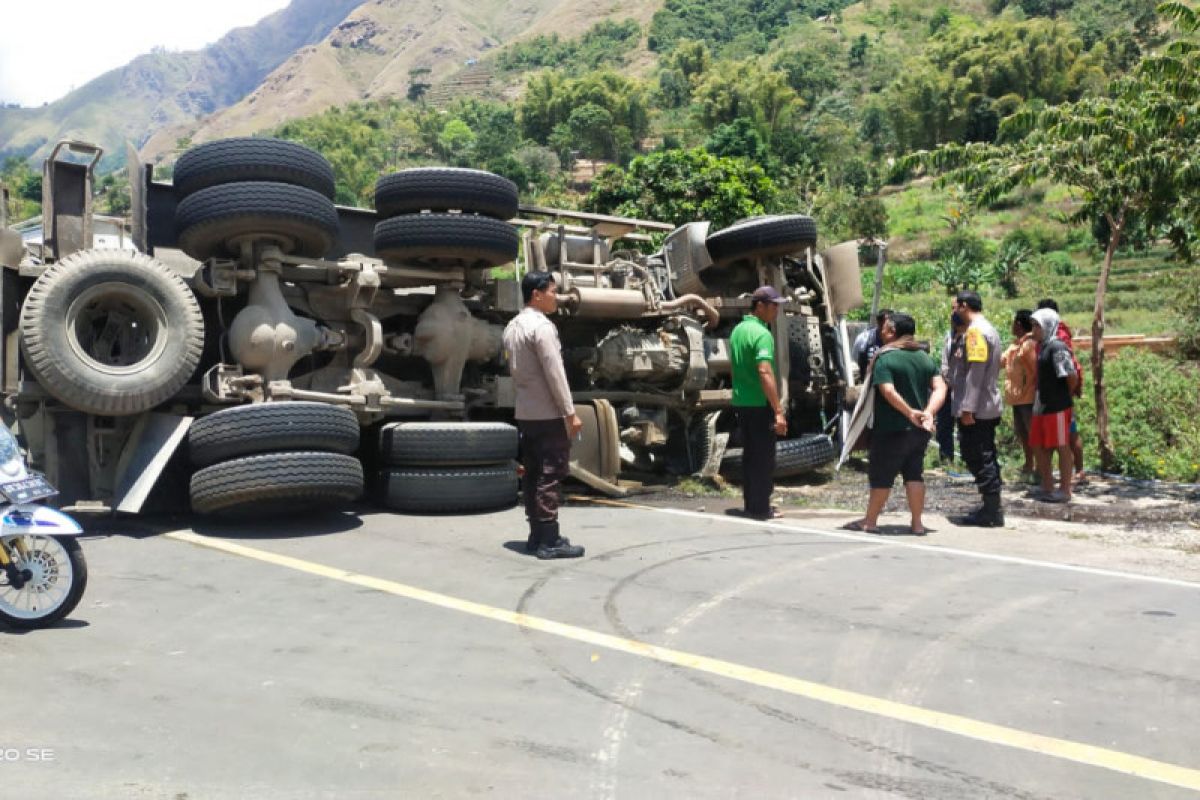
(111, 332)
(415, 444)
(449, 489)
(247, 159)
(792, 456)
(272, 427)
(305, 221)
(445, 189)
(688, 448)
(439, 241)
(762, 237)
(277, 483)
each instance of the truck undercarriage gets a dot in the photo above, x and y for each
(271, 350)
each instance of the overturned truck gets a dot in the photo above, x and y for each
(263, 348)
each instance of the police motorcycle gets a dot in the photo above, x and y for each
(42, 570)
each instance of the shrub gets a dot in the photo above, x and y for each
(963, 243)
(1186, 305)
(1154, 417)
(1154, 414)
(1045, 239)
(1078, 239)
(868, 218)
(912, 278)
(1059, 263)
(961, 260)
(1011, 258)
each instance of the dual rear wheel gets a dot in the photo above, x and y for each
(445, 218)
(432, 467)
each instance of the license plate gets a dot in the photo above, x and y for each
(26, 490)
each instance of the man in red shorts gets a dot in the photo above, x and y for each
(1050, 431)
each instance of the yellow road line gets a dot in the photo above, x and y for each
(1138, 766)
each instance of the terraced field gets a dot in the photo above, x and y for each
(1141, 284)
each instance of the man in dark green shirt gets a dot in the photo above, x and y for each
(909, 390)
(756, 399)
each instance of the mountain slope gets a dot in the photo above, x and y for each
(370, 53)
(160, 89)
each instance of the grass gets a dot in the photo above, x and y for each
(699, 487)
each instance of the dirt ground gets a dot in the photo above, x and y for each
(1111, 510)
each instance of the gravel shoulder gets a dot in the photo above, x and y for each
(1143, 527)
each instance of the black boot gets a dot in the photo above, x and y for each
(554, 546)
(540, 533)
(989, 516)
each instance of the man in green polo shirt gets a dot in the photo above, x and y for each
(909, 390)
(756, 399)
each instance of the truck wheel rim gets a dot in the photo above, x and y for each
(116, 328)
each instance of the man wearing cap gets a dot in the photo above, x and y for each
(756, 399)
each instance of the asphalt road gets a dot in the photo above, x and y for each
(688, 656)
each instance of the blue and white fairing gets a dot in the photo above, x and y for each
(35, 520)
(27, 518)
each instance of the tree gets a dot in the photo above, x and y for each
(744, 89)
(810, 70)
(773, 100)
(720, 22)
(456, 141)
(673, 88)
(25, 188)
(537, 111)
(1129, 156)
(868, 218)
(723, 96)
(939, 20)
(494, 125)
(858, 51)
(946, 94)
(529, 166)
(550, 100)
(591, 131)
(690, 57)
(738, 139)
(680, 186)
(417, 87)
(112, 194)
(31, 188)
(875, 128)
(606, 42)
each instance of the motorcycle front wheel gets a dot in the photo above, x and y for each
(53, 574)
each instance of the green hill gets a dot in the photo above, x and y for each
(161, 88)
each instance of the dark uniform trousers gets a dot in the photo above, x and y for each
(945, 430)
(757, 425)
(546, 452)
(978, 445)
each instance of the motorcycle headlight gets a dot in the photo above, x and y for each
(10, 453)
